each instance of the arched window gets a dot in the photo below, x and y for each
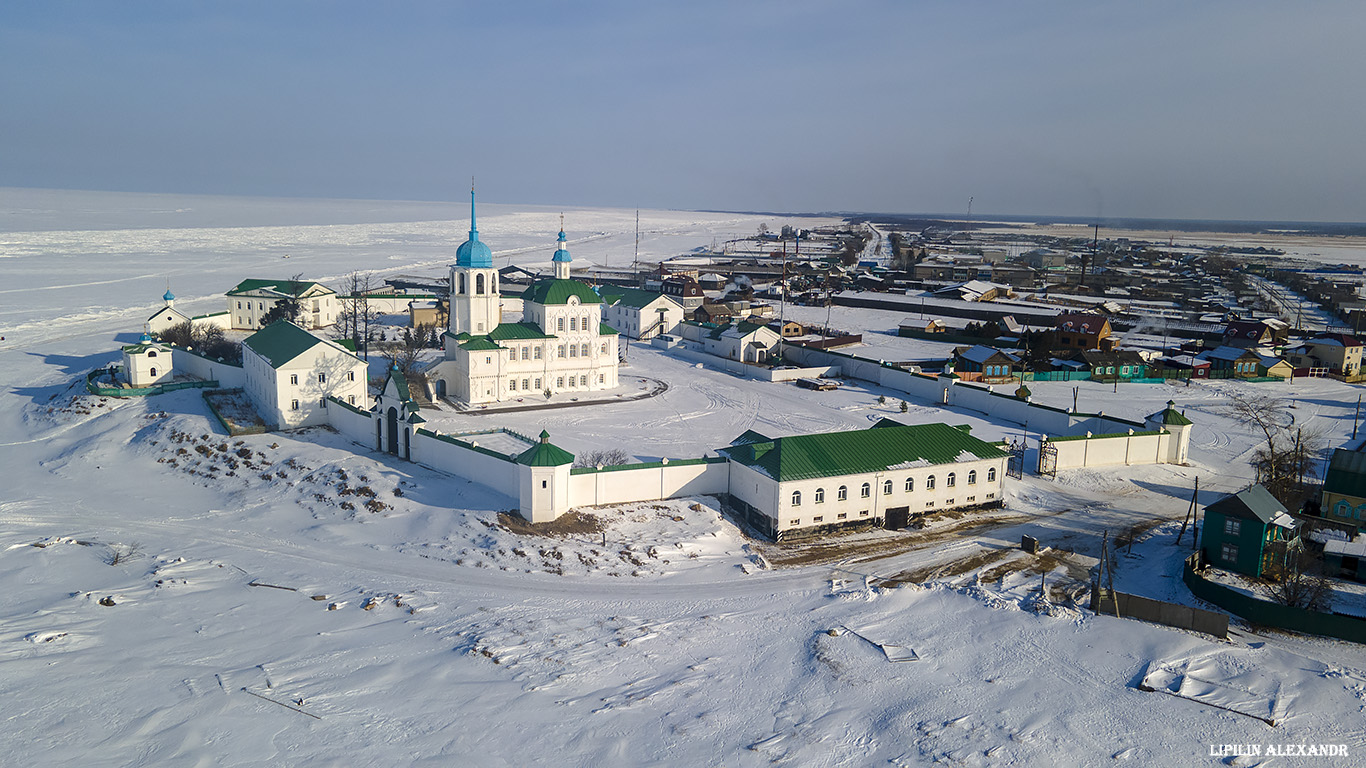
(561, 350)
(887, 488)
(972, 477)
(991, 475)
(559, 325)
(910, 484)
(866, 491)
(573, 350)
(512, 385)
(151, 353)
(796, 498)
(479, 284)
(820, 495)
(950, 480)
(573, 323)
(462, 283)
(585, 351)
(604, 348)
(929, 483)
(153, 372)
(843, 493)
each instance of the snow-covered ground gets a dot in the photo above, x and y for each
(172, 596)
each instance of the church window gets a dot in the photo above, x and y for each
(350, 375)
(910, 484)
(559, 324)
(583, 381)
(154, 372)
(865, 491)
(842, 494)
(239, 305)
(604, 348)
(820, 495)
(573, 323)
(951, 480)
(972, 477)
(991, 475)
(294, 379)
(351, 399)
(152, 353)
(293, 405)
(573, 350)
(585, 351)
(526, 353)
(929, 483)
(559, 383)
(462, 283)
(602, 378)
(322, 378)
(488, 358)
(479, 284)
(887, 488)
(796, 498)
(538, 383)
(512, 385)
(561, 352)
(537, 353)
(526, 384)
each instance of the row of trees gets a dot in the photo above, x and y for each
(208, 340)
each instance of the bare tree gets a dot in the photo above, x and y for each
(206, 339)
(603, 458)
(1289, 455)
(1296, 578)
(356, 316)
(405, 355)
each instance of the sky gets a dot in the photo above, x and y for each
(1215, 110)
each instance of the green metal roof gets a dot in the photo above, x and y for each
(749, 437)
(834, 454)
(1346, 473)
(631, 297)
(400, 383)
(287, 287)
(545, 454)
(517, 331)
(1251, 503)
(606, 330)
(479, 344)
(1170, 415)
(559, 292)
(282, 341)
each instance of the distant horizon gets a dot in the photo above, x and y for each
(459, 206)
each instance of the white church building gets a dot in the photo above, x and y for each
(560, 345)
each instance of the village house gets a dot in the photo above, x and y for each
(887, 474)
(1118, 365)
(1239, 527)
(1189, 366)
(251, 300)
(985, 364)
(1082, 331)
(745, 341)
(1232, 362)
(1337, 353)
(290, 373)
(788, 329)
(1344, 488)
(1256, 333)
(639, 314)
(683, 289)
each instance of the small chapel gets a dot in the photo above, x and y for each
(560, 345)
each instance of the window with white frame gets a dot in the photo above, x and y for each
(559, 383)
(991, 475)
(951, 480)
(865, 491)
(559, 324)
(910, 484)
(294, 379)
(887, 488)
(929, 483)
(293, 405)
(796, 498)
(972, 477)
(843, 493)
(1232, 526)
(1229, 553)
(583, 381)
(820, 495)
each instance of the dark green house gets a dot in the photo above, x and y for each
(1238, 528)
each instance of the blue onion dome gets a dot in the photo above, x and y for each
(562, 251)
(473, 253)
(168, 296)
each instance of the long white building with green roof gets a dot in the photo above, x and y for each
(888, 474)
(560, 344)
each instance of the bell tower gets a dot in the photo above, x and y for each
(476, 307)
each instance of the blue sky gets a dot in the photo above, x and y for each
(1239, 110)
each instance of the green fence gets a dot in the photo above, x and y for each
(96, 389)
(1267, 613)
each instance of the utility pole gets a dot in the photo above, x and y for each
(1190, 511)
(782, 304)
(1356, 417)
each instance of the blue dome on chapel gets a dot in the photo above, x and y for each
(562, 252)
(168, 296)
(473, 253)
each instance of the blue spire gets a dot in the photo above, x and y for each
(473, 253)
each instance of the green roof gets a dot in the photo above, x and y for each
(400, 383)
(545, 454)
(1170, 415)
(281, 341)
(287, 287)
(834, 454)
(1251, 503)
(559, 292)
(606, 330)
(631, 297)
(1346, 473)
(348, 344)
(143, 346)
(517, 331)
(479, 344)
